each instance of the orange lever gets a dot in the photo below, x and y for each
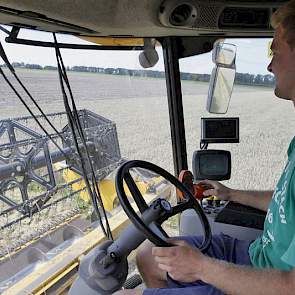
(199, 192)
(186, 178)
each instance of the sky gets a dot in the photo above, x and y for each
(252, 55)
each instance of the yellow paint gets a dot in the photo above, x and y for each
(106, 187)
(56, 279)
(119, 41)
(212, 198)
(108, 41)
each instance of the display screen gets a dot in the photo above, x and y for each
(213, 165)
(244, 17)
(220, 130)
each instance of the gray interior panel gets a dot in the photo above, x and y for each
(190, 225)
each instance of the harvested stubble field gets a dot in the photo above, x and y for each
(139, 108)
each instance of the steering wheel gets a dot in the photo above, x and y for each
(152, 229)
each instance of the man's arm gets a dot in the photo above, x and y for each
(256, 199)
(187, 264)
(241, 280)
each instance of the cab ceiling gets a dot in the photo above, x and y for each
(138, 18)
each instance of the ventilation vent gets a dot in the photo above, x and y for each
(183, 15)
(208, 16)
(178, 13)
(190, 14)
(216, 15)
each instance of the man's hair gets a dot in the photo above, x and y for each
(285, 16)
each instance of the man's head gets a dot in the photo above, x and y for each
(283, 47)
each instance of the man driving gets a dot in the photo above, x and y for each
(231, 266)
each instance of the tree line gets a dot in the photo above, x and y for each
(241, 78)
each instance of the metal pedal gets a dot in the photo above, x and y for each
(133, 282)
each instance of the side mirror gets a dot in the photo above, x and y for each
(222, 78)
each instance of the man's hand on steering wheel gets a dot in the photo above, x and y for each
(182, 261)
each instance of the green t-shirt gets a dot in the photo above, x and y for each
(276, 247)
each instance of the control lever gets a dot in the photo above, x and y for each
(186, 177)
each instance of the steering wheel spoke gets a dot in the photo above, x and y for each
(180, 207)
(157, 229)
(135, 192)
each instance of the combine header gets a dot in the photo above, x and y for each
(33, 169)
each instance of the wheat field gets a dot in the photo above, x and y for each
(139, 108)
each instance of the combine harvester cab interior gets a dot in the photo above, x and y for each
(110, 154)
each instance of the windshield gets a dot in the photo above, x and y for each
(123, 111)
(261, 154)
